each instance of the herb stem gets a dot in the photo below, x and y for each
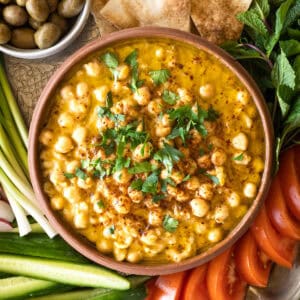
(262, 54)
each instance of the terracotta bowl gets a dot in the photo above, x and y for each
(40, 115)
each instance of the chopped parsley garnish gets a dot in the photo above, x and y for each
(201, 152)
(150, 184)
(158, 197)
(239, 157)
(170, 224)
(80, 174)
(165, 182)
(69, 175)
(168, 155)
(213, 178)
(169, 97)
(131, 60)
(186, 178)
(142, 167)
(160, 76)
(212, 115)
(100, 204)
(111, 61)
(121, 163)
(111, 229)
(137, 184)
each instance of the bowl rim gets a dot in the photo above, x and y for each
(62, 43)
(73, 238)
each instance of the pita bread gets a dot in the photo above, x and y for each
(216, 19)
(103, 25)
(131, 13)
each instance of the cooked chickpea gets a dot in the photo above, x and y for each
(149, 237)
(72, 194)
(123, 71)
(199, 207)
(218, 157)
(206, 191)
(204, 162)
(142, 151)
(67, 92)
(159, 52)
(233, 199)
(155, 217)
(210, 126)
(240, 141)
(100, 94)
(135, 195)
(77, 108)
(82, 89)
(247, 121)
(195, 137)
(122, 176)
(241, 158)
(251, 111)
(134, 255)
(250, 190)
(162, 131)
(46, 137)
(105, 123)
(57, 203)
(172, 190)
(182, 196)
(92, 69)
(207, 91)
(258, 164)
(215, 235)
(104, 245)
(63, 144)
(122, 204)
(79, 135)
(193, 183)
(221, 175)
(185, 96)
(155, 106)
(65, 120)
(165, 120)
(119, 254)
(200, 227)
(81, 220)
(177, 176)
(243, 97)
(142, 96)
(221, 213)
(57, 177)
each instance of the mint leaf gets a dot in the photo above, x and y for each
(290, 47)
(296, 66)
(292, 15)
(110, 59)
(160, 76)
(279, 23)
(69, 175)
(262, 7)
(252, 19)
(170, 224)
(141, 167)
(80, 174)
(170, 97)
(293, 119)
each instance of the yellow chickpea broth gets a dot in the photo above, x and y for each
(153, 151)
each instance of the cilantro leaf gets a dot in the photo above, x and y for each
(110, 59)
(109, 100)
(157, 198)
(131, 59)
(168, 156)
(160, 76)
(100, 204)
(170, 224)
(137, 184)
(69, 175)
(150, 184)
(239, 157)
(141, 167)
(169, 97)
(212, 115)
(213, 178)
(80, 174)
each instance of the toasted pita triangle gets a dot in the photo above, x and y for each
(216, 19)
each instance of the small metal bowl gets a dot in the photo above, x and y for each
(64, 42)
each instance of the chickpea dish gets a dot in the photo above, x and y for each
(153, 150)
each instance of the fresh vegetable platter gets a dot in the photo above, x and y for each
(265, 258)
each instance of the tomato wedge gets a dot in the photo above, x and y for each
(195, 287)
(290, 179)
(280, 249)
(279, 214)
(223, 283)
(168, 287)
(150, 288)
(248, 263)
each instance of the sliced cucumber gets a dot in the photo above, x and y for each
(62, 272)
(14, 287)
(98, 294)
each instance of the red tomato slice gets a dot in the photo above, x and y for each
(280, 249)
(290, 179)
(168, 287)
(278, 212)
(223, 282)
(150, 285)
(195, 287)
(248, 263)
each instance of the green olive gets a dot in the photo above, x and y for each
(23, 38)
(70, 8)
(38, 9)
(47, 35)
(59, 21)
(5, 33)
(21, 2)
(52, 5)
(34, 23)
(15, 15)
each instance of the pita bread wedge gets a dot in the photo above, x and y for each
(166, 13)
(103, 25)
(216, 19)
(118, 13)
